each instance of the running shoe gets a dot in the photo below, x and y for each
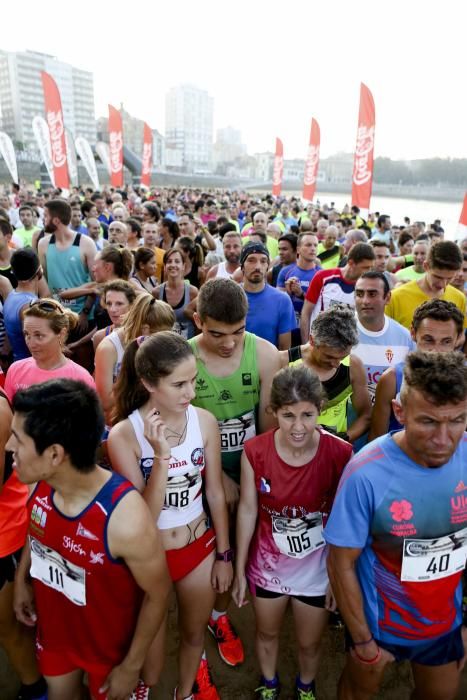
(141, 692)
(265, 693)
(190, 697)
(301, 694)
(204, 688)
(228, 642)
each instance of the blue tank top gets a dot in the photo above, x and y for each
(14, 324)
(65, 270)
(183, 326)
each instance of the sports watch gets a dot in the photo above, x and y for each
(226, 556)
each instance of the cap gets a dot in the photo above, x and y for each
(251, 248)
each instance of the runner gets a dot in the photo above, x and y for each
(157, 426)
(333, 286)
(437, 326)
(289, 478)
(235, 371)
(46, 326)
(333, 335)
(143, 276)
(145, 317)
(270, 312)
(398, 538)
(15, 639)
(89, 534)
(443, 262)
(117, 298)
(382, 342)
(178, 293)
(417, 270)
(232, 248)
(295, 279)
(28, 273)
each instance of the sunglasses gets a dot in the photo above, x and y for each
(47, 305)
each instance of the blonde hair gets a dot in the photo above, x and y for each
(146, 310)
(53, 312)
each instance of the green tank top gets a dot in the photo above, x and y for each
(338, 391)
(234, 402)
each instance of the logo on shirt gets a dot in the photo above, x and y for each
(460, 487)
(265, 485)
(197, 457)
(96, 558)
(389, 355)
(246, 379)
(44, 502)
(225, 395)
(38, 517)
(200, 384)
(73, 546)
(401, 510)
(83, 532)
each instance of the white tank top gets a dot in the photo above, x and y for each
(222, 272)
(183, 494)
(117, 343)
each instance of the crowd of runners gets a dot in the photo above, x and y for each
(235, 399)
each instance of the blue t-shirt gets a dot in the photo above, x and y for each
(14, 324)
(385, 501)
(270, 313)
(305, 277)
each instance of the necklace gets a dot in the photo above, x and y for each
(173, 434)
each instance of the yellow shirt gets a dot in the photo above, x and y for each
(408, 297)
(159, 253)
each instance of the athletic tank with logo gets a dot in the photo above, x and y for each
(234, 402)
(87, 601)
(288, 552)
(184, 490)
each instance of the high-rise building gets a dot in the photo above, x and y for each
(189, 126)
(228, 146)
(21, 95)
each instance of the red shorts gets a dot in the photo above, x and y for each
(60, 663)
(182, 561)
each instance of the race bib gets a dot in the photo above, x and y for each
(298, 537)
(372, 393)
(53, 570)
(181, 490)
(428, 560)
(235, 431)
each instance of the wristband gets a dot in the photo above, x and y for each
(362, 644)
(226, 556)
(162, 459)
(369, 662)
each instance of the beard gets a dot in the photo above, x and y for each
(50, 228)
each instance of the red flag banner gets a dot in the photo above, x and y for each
(54, 118)
(312, 162)
(115, 147)
(278, 169)
(147, 156)
(462, 226)
(362, 178)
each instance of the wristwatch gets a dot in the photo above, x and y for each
(226, 556)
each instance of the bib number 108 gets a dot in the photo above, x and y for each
(177, 499)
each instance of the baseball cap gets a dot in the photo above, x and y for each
(251, 248)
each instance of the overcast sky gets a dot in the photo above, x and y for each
(271, 66)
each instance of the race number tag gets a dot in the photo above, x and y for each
(235, 431)
(372, 393)
(180, 329)
(49, 567)
(181, 491)
(428, 560)
(298, 537)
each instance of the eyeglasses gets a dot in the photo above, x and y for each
(47, 305)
